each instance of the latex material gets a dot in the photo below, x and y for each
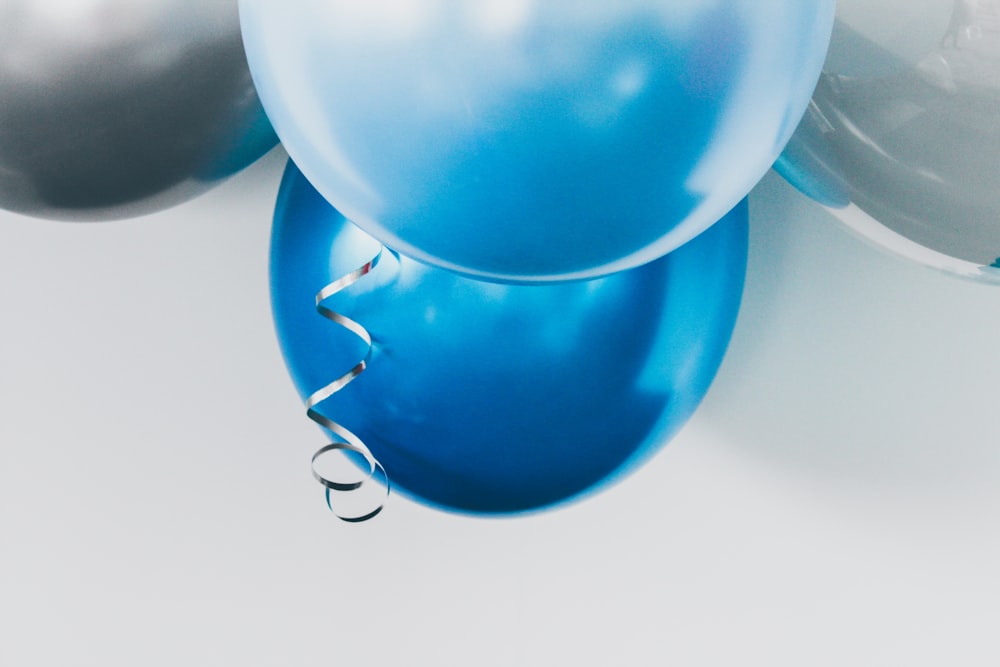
(522, 140)
(114, 109)
(484, 397)
(903, 138)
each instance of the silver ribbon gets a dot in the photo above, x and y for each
(349, 441)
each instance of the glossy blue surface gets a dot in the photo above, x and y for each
(532, 141)
(485, 397)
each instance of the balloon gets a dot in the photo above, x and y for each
(495, 398)
(530, 141)
(902, 140)
(113, 109)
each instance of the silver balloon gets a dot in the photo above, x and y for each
(117, 108)
(902, 139)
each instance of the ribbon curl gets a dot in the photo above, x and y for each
(349, 441)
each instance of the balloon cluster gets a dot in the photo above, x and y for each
(508, 252)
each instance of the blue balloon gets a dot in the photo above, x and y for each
(496, 398)
(527, 141)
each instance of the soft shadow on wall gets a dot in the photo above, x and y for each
(854, 367)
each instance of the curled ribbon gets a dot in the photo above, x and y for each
(349, 441)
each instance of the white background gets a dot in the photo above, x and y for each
(833, 502)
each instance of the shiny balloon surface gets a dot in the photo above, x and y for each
(493, 398)
(530, 141)
(902, 140)
(112, 109)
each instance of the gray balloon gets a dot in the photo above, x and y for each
(902, 140)
(118, 108)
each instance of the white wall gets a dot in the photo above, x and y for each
(834, 501)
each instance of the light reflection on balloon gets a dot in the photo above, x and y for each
(902, 139)
(535, 141)
(114, 109)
